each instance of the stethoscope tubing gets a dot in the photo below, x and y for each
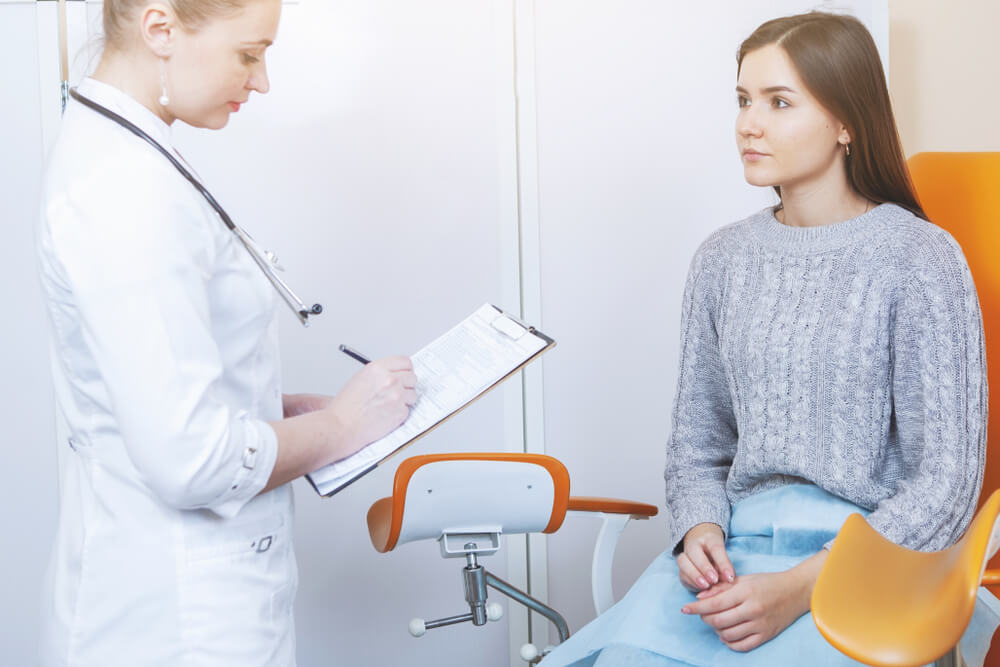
(286, 293)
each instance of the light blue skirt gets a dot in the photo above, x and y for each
(768, 532)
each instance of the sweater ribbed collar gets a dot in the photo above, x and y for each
(771, 233)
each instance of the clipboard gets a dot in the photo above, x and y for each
(453, 371)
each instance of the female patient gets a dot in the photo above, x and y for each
(831, 362)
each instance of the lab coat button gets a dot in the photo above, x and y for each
(250, 458)
(264, 544)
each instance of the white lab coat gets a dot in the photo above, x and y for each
(165, 366)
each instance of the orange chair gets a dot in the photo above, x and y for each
(467, 502)
(915, 608)
(887, 606)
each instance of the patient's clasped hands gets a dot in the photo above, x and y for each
(746, 610)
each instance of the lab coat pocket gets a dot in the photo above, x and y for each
(229, 582)
(80, 446)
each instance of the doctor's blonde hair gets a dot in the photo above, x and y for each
(191, 14)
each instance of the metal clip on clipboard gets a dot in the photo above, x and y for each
(509, 327)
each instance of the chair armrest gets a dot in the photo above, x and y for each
(611, 506)
(615, 514)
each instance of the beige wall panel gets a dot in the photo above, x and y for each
(944, 70)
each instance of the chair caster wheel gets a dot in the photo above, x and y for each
(494, 612)
(417, 627)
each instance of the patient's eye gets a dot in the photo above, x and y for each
(742, 101)
(249, 59)
(779, 103)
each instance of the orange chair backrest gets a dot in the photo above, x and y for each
(386, 516)
(961, 193)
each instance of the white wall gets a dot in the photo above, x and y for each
(28, 487)
(409, 164)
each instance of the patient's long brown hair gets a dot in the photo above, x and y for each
(838, 61)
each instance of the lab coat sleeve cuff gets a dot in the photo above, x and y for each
(253, 471)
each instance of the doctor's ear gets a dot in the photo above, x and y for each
(158, 25)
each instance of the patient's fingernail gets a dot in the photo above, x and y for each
(702, 583)
(685, 610)
(730, 576)
(713, 576)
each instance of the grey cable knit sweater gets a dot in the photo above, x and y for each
(849, 356)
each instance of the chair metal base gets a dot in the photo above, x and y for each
(531, 603)
(477, 578)
(952, 658)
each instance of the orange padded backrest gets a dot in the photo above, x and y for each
(961, 193)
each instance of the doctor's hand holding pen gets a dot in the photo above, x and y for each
(324, 429)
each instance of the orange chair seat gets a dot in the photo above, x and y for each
(889, 606)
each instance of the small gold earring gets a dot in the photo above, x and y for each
(847, 149)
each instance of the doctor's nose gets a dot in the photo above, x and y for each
(259, 81)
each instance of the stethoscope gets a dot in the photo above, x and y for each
(265, 259)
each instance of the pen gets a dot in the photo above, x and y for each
(354, 354)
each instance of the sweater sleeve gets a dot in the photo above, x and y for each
(703, 436)
(939, 404)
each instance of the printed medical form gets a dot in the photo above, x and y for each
(461, 365)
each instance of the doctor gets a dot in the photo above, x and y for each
(174, 537)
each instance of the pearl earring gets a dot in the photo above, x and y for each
(164, 98)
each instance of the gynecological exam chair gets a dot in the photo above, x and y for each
(877, 602)
(467, 502)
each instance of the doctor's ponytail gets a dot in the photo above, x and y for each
(118, 15)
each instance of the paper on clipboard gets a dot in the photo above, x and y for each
(461, 365)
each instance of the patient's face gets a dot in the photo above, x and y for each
(785, 137)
